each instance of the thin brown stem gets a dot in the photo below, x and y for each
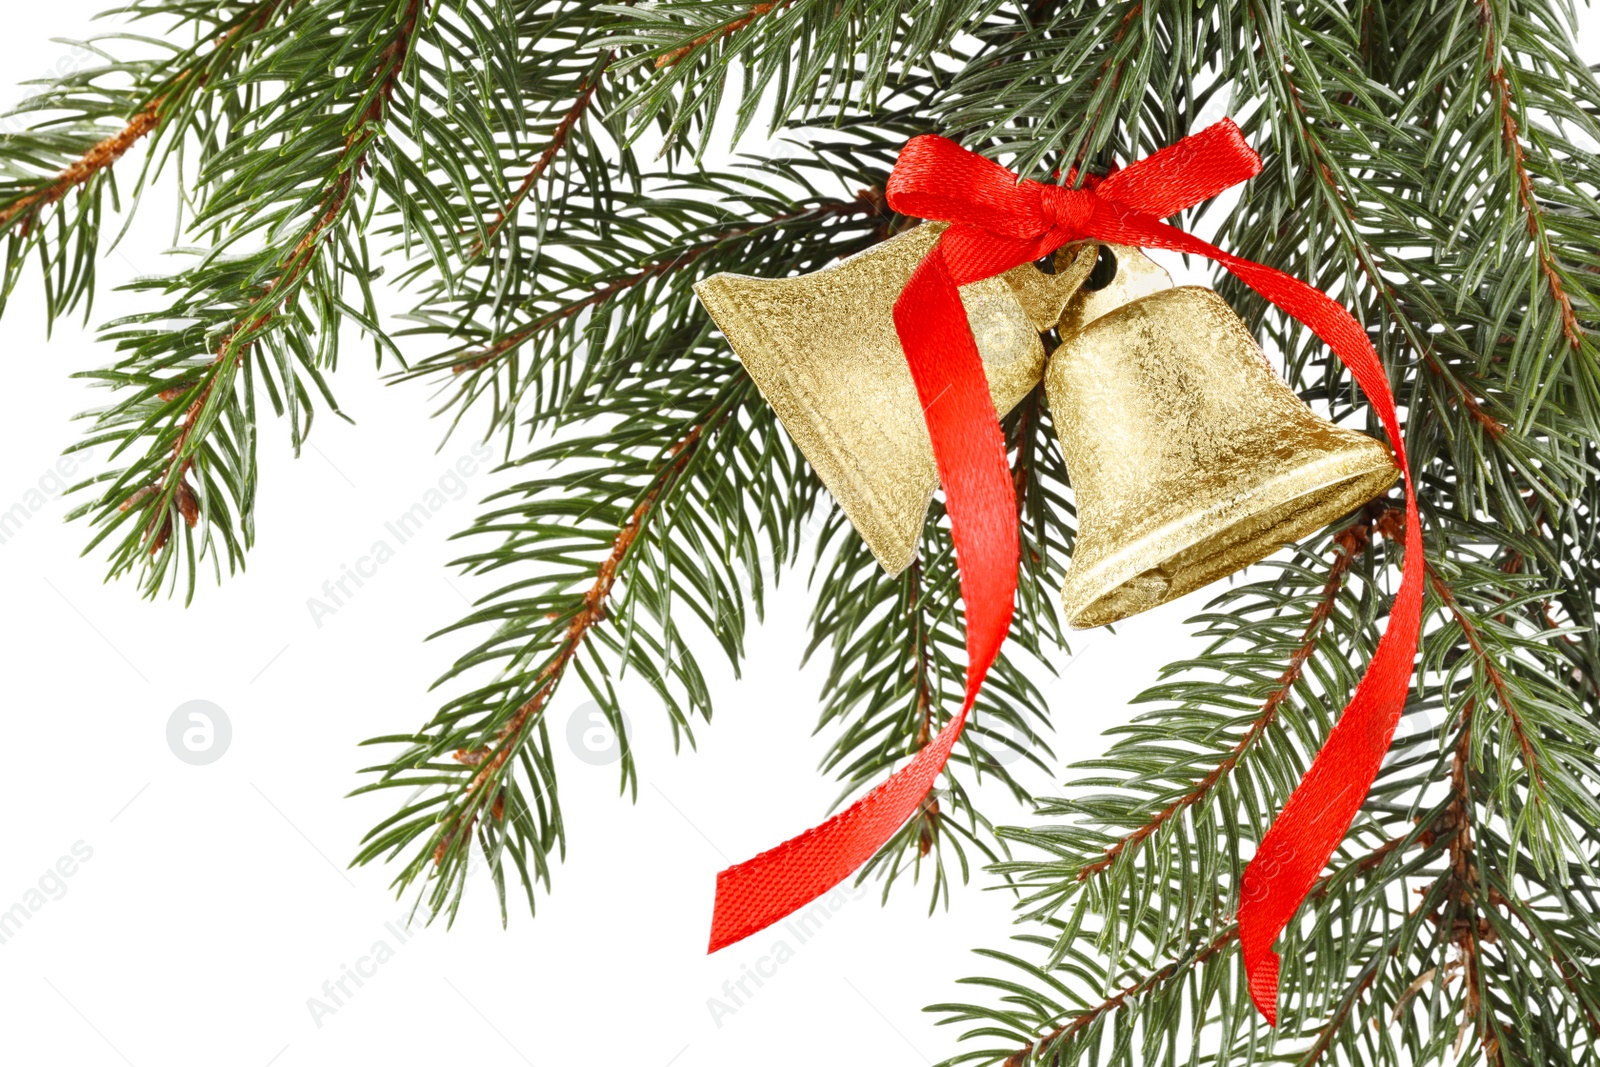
(23, 212)
(97, 159)
(558, 141)
(1500, 84)
(1468, 928)
(1352, 997)
(672, 58)
(1084, 1019)
(1491, 669)
(920, 664)
(1112, 68)
(1021, 467)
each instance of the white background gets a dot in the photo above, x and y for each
(216, 902)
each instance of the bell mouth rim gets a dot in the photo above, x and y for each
(1082, 590)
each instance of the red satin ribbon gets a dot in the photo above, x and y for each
(998, 223)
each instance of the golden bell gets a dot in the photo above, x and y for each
(822, 349)
(1189, 457)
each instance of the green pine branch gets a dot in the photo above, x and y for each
(663, 512)
(801, 59)
(57, 172)
(185, 425)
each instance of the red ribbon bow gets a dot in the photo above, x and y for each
(997, 223)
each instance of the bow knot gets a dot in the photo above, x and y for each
(1067, 211)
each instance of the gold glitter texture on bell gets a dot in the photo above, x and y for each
(1189, 457)
(822, 349)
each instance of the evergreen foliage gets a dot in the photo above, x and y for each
(538, 167)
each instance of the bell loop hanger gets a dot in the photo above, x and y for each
(1137, 275)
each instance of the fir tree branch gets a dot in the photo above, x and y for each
(594, 607)
(1510, 133)
(1461, 876)
(278, 294)
(162, 100)
(1370, 260)
(268, 320)
(21, 213)
(799, 56)
(1117, 1001)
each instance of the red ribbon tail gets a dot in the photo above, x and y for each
(1263, 975)
(970, 451)
(1304, 836)
(753, 895)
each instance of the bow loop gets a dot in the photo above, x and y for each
(935, 178)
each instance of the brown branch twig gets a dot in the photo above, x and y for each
(1491, 669)
(1112, 67)
(1351, 997)
(106, 153)
(1350, 543)
(592, 610)
(919, 653)
(1320, 889)
(1510, 136)
(928, 812)
(92, 162)
(1461, 882)
(672, 58)
(1084, 1019)
(1463, 876)
(558, 141)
